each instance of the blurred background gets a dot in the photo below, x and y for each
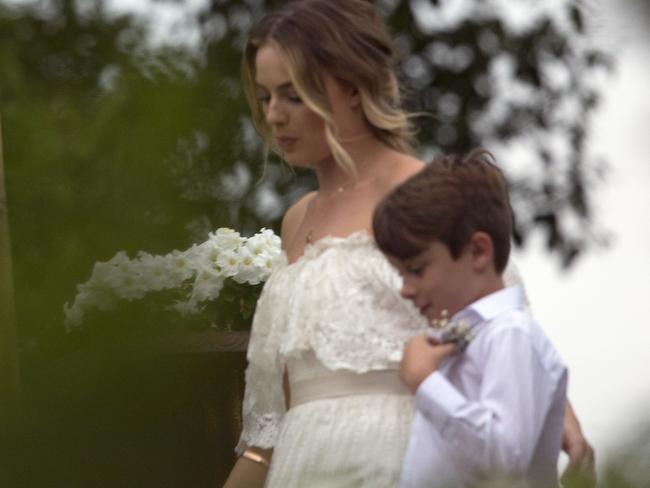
(124, 127)
(596, 311)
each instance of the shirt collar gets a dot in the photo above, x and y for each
(494, 304)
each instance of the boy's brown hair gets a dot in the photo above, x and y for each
(449, 200)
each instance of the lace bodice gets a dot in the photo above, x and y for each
(340, 302)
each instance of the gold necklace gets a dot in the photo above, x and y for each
(309, 238)
(350, 184)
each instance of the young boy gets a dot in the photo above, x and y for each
(492, 411)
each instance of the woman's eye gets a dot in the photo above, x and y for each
(264, 99)
(294, 99)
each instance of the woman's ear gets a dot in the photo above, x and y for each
(340, 92)
(482, 251)
(354, 97)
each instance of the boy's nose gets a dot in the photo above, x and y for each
(407, 291)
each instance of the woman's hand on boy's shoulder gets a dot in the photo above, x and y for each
(422, 356)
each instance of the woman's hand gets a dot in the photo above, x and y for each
(581, 470)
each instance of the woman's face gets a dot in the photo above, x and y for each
(298, 132)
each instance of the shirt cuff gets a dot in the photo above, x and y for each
(437, 399)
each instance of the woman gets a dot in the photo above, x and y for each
(323, 403)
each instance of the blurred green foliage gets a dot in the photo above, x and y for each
(628, 466)
(110, 146)
(92, 139)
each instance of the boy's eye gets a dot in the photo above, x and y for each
(415, 270)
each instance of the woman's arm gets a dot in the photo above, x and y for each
(248, 473)
(581, 471)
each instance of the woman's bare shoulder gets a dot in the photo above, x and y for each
(294, 216)
(401, 168)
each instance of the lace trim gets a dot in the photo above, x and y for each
(313, 249)
(345, 305)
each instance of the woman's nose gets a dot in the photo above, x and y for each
(274, 113)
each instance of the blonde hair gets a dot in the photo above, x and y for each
(348, 40)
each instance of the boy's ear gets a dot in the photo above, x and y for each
(482, 251)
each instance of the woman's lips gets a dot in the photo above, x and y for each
(286, 143)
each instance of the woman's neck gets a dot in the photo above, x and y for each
(365, 151)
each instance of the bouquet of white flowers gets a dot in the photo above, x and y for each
(198, 273)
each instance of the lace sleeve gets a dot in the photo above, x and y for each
(263, 405)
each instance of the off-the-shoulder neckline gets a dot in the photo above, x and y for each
(311, 249)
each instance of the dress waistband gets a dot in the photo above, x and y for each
(347, 383)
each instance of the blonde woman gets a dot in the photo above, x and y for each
(323, 405)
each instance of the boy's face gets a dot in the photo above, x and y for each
(434, 281)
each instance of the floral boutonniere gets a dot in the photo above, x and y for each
(446, 330)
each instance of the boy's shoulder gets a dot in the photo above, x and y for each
(500, 311)
(516, 328)
(513, 322)
(515, 318)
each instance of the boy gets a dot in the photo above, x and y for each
(491, 411)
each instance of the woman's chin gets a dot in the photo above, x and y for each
(302, 160)
(296, 161)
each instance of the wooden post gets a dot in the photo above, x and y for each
(9, 370)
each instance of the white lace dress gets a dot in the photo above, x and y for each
(336, 309)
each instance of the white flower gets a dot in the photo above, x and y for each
(248, 271)
(119, 277)
(207, 285)
(271, 242)
(180, 266)
(199, 272)
(228, 263)
(225, 239)
(458, 331)
(156, 270)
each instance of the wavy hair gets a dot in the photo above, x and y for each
(347, 39)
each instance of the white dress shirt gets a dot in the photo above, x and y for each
(496, 409)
